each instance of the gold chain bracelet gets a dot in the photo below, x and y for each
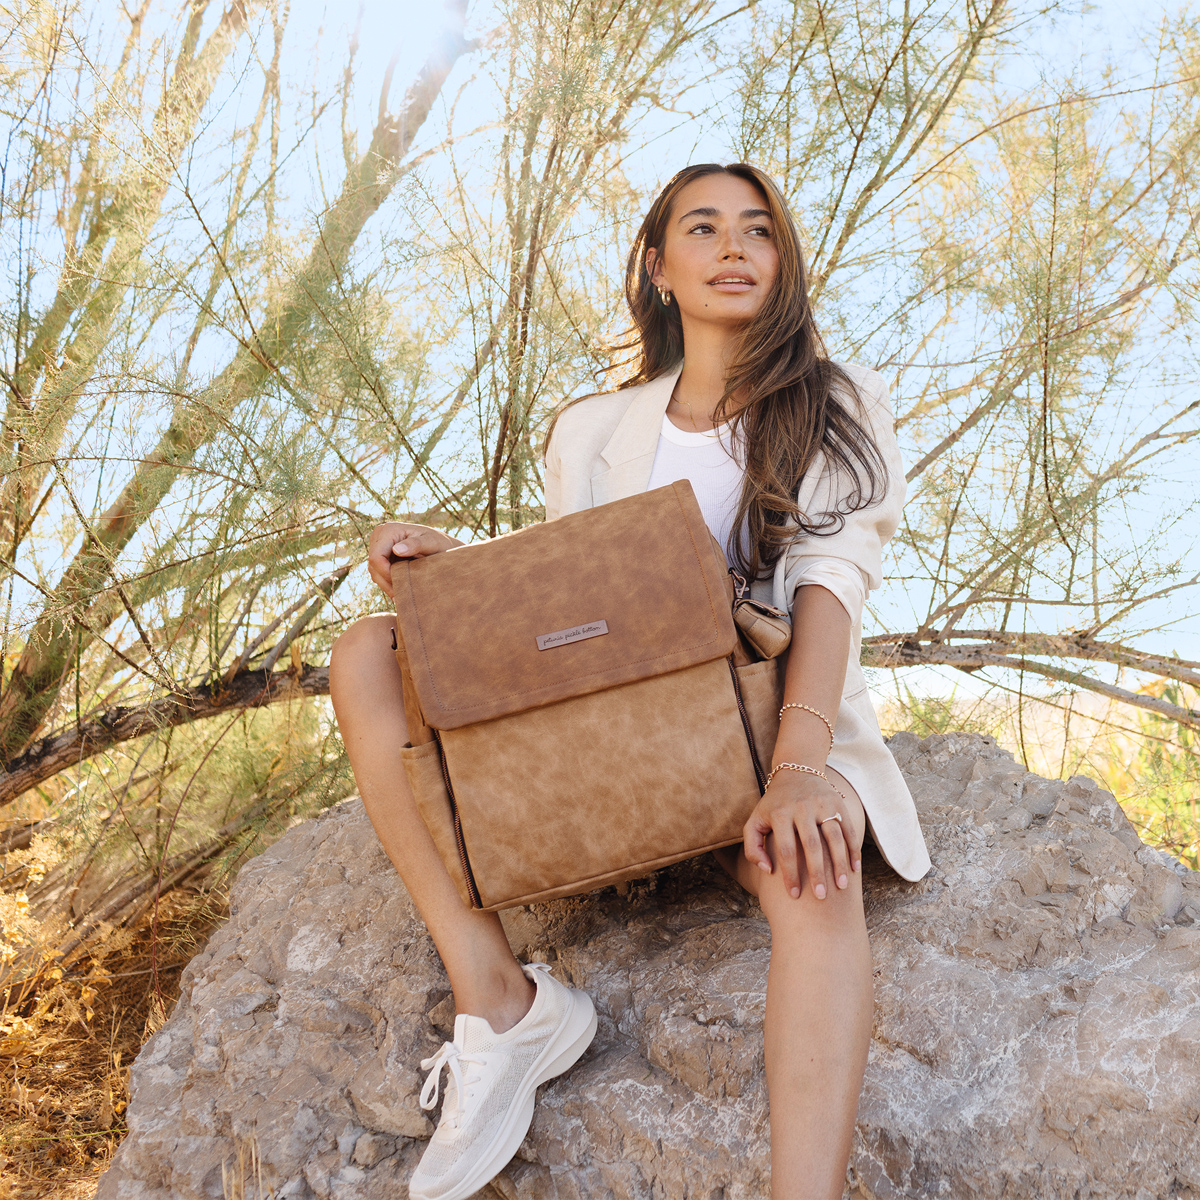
(787, 766)
(790, 766)
(816, 713)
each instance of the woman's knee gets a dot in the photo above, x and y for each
(841, 907)
(364, 655)
(362, 641)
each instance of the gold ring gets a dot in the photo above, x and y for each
(836, 817)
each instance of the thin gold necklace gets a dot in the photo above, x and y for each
(691, 417)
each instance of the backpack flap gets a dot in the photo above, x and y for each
(613, 594)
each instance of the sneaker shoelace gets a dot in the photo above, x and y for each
(451, 1057)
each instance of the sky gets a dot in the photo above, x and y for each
(1079, 37)
(1078, 40)
(1081, 40)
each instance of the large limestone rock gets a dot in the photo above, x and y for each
(1037, 1030)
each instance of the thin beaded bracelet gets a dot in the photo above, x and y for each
(815, 713)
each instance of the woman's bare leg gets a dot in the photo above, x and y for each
(364, 684)
(818, 1027)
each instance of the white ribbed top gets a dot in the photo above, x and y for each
(710, 462)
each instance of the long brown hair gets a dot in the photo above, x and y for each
(795, 401)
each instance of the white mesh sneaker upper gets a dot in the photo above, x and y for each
(486, 1073)
(485, 1076)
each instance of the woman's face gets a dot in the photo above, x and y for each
(718, 258)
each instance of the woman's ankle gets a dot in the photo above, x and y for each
(502, 998)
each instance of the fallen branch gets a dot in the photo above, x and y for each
(248, 689)
(892, 651)
(1063, 645)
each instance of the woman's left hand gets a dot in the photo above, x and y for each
(795, 809)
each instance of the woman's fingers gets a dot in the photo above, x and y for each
(379, 568)
(814, 855)
(754, 842)
(791, 814)
(393, 541)
(835, 839)
(788, 854)
(379, 549)
(417, 543)
(855, 844)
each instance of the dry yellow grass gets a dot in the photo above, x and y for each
(67, 1037)
(1150, 764)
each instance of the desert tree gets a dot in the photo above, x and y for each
(185, 424)
(532, 213)
(214, 391)
(197, 497)
(1020, 265)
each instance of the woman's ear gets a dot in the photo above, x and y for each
(654, 268)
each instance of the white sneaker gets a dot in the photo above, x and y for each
(488, 1103)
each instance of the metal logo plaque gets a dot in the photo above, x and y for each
(577, 633)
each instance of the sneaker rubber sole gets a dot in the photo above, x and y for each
(573, 1037)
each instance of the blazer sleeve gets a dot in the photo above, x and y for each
(859, 542)
(837, 576)
(552, 478)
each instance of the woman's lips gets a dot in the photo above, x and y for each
(732, 284)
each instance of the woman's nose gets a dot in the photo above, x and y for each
(732, 248)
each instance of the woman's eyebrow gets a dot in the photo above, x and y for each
(716, 212)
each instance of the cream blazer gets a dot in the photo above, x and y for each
(603, 448)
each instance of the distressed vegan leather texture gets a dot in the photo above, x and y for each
(471, 618)
(601, 787)
(761, 685)
(634, 740)
(767, 628)
(423, 766)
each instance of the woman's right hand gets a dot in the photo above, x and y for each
(398, 539)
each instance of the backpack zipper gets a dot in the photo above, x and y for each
(468, 874)
(759, 774)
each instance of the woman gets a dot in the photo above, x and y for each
(796, 469)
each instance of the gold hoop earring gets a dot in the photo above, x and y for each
(665, 296)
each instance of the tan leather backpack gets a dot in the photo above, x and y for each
(582, 708)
